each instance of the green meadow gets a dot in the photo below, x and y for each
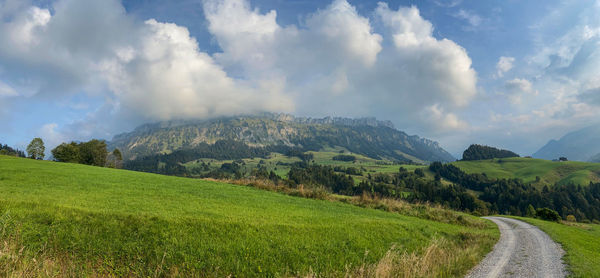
(580, 242)
(280, 163)
(65, 220)
(527, 169)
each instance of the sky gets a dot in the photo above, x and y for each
(511, 74)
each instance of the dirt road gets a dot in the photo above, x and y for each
(522, 251)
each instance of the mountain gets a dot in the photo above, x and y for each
(366, 136)
(579, 145)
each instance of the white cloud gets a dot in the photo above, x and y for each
(516, 88)
(55, 54)
(504, 65)
(340, 22)
(152, 68)
(518, 85)
(444, 122)
(473, 19)
(7, 91)
(449, 4)
(335, 64)
(332, 63)
(167, 77)
(253, 43)
(565, 65)
(437, 70)
(23, 30)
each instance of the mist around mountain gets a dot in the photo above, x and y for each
(579, 145)
(367, 136)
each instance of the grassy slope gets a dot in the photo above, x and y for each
(580, 241)
(321, 158)
(76, 219)
(527, 169)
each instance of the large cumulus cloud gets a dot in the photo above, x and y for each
(332, 62)
(154, 69)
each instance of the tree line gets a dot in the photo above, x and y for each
(92, 152)
(7, 150)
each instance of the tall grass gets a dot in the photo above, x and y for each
(439, 259)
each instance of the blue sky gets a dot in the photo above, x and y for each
(512, 74)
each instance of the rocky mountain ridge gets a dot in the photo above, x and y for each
(367, 136)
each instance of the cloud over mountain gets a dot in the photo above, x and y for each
(335, 62)
(331, 62)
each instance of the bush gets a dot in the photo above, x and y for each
(420, 172)
(571, 218)
(547, 214)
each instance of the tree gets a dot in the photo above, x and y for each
(115, 159)
(530, 211)
(93, 152)
(117, 154)
(36, 148)
(66, 152)
(548, 214)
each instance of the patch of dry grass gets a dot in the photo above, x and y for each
(440, 259)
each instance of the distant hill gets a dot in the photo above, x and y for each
(580, 145)
(595, 158)
(528, 169)
(365, 136)
(479, 152)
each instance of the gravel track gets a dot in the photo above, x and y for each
(522, 251)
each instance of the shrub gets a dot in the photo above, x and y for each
(530, 212)
(571, 218)
(547, 214)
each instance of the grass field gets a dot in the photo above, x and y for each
(527, 169)
(279, 163)
(581, 243)
(70, 220)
